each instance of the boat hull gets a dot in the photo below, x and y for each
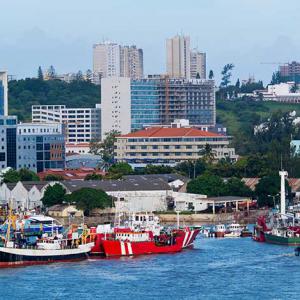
(120, 248)
(11, 257)
(280, 240)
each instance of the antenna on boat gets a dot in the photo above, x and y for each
(282, 174)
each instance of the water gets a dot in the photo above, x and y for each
(214, 269)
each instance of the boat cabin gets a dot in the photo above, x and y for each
(133, 236)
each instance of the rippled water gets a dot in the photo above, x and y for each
(214, 269)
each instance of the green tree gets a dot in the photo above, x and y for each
(211, 74)
(119, 169)
(190, 168)
(207, 154)
(159, 169)
(11, 176)
(207, 184)
(238, 84)
(88, 199)
(89, 75)
(54, 194)
(105, 148)
(93, 176)
(51, 72)
(40, 73)
(268, 187)
(53, 177)
(226, 75)
(198, 75)
(21, 175)
(79, 76)
(236, 187)
(294, 88)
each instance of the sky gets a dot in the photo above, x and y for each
(246, 33)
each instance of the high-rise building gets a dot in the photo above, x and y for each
(290, 71)
(36, 147)
(131, 62)
(81, 125)
(128, 105)
(115, 105)
(8, 147)
(106, 60)
(114, 60)
(40, 146)
(198, 64)
(3, 93)
(178, 57)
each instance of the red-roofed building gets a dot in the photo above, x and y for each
(169, 146)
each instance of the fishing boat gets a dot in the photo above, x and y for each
(138, 243)
(219, 230)
(48, 249)
(141, 227)
(233, 230)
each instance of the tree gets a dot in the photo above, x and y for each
(54, 194)
(105, 148)
(236, 187)
(294, 88)
(226, 75)
(93, 176)
(207, 154)
(198, 75)
(267, 188)
(79, 76)
(40, 73)
(53, 177)
(190, 168)
(119, 169)
(21, 175)
(88, 199)
(89, 75)
(211, 74)
(160, 169)
(238, 84)
(207, 184)
(51, 72)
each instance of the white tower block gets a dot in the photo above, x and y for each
(282, 174)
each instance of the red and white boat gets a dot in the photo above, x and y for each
(144, 236)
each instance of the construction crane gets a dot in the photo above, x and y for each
(274, 63)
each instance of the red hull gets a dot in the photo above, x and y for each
(119, 248)
(219, 234)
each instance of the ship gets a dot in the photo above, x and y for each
(16, 250)
(280, 227)
(142, 234)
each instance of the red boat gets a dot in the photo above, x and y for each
(260, 229)
(137, 243)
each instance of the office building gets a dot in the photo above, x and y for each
(131, 105)
(40, 146)
(178, 57)
(8, 147)
(169, 146)
(81, 125)
(198, 64)
(290, 70)
(115, 105)
(3, 93)
(114, 60)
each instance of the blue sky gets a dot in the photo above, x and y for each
(62, 32)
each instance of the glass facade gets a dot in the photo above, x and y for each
(11, 147)
(145, 107)
(1, 98)
(161, 101)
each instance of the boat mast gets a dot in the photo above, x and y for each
(282, 174)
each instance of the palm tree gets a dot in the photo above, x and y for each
(207, 154)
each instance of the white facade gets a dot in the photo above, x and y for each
(4, 84)
(198, 64)
(131, 62)
(178, 57)
(115, 105)
(81, 124)
(106, 60)
(83, 148)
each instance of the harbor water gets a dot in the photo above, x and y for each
(214, 269)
